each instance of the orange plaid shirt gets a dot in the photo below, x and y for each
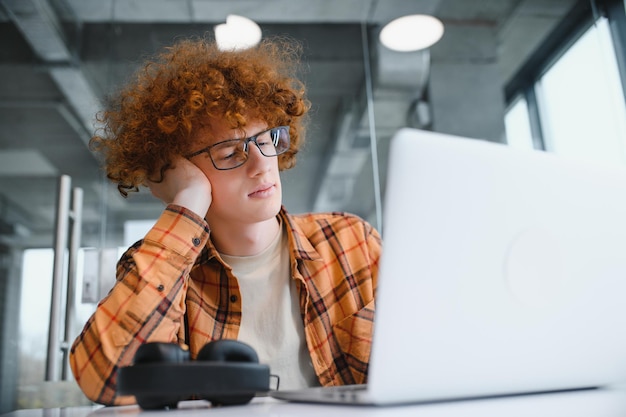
(176, 271)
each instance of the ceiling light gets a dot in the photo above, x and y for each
(237, 33)
(411, 33)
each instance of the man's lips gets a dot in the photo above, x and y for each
(262, 190)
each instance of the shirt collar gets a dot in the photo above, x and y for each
(299, 245)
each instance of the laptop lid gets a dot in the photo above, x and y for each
(503, 271)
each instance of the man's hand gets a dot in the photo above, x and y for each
(185, 185)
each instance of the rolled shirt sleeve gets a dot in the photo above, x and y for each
(147, 303)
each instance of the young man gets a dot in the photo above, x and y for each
(208, 132)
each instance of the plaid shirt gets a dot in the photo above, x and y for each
(175, 271)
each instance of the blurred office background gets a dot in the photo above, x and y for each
(536, 74)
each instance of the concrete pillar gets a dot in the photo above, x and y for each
(465, 89)
(9, 326)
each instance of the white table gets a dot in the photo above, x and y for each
(590, 403)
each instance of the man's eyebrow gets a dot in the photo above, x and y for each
(245, 136)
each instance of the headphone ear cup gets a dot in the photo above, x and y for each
(160, 352)
(156, 352)
(227, 350)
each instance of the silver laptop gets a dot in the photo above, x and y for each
(503, 272)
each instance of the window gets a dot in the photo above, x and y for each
(517, 124)
(569, 98)
(581, 102)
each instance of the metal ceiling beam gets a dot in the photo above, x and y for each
(198, 11)
(80, 97)
(40, 27)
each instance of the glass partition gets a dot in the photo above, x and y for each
(61, 59)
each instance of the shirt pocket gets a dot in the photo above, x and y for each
(354, 336)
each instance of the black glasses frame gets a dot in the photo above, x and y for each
(245, 141)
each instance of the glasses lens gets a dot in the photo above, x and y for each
(229, 154)
(274, 141)
(282, 139)
(233, 153)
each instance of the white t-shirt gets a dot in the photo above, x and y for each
(271, 322)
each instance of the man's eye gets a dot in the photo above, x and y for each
(226, 153)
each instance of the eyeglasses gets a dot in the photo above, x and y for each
(233, 153)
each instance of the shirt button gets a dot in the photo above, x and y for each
(196, 241)
(233, 298)
(161, 287)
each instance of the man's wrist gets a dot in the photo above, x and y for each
(197, 202)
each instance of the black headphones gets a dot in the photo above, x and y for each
(226, 372)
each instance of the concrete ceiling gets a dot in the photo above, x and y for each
(58, 58)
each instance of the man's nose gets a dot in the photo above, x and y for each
(255, 156)
(254, 147)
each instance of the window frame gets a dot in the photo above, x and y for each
(577, 21)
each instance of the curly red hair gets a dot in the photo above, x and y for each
(150, 121)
